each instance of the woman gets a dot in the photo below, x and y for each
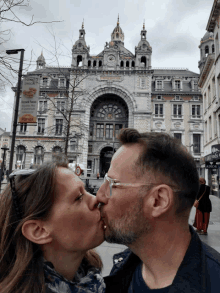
(205, 207)
(48, 226)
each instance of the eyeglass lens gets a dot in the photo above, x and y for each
(107, 185)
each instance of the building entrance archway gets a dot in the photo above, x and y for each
(105, 160)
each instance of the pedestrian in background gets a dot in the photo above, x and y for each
(48, 227)
(203, 208)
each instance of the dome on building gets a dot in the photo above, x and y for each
(207, 36)
(41, 61)
(41, 58)
(118, 29)
(117, 34)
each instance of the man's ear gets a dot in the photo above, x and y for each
(161, 200)
(35, 231)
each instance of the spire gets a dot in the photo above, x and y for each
(83, 24)
(143, 32)
(118, 21)
(41, 61)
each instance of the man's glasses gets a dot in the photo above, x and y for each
(23, 172)
(110, 183)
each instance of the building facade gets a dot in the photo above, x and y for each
(112, 90)
(209, 83)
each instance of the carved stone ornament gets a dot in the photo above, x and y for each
(196, 126)
(158, 124)
(177, 125)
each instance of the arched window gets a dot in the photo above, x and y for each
(132, 64)
(57, 149)
(127, 63)
(110, 111)
(94, 63)
(143, 60)
(213, 48)
(38, 155)
(89, 63)
(79, 60)
(206, 50)
(122, 63)
(100, 63)
(20, 157)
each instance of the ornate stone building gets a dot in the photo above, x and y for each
(114, 89)
(209, 83)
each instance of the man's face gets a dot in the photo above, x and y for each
(123, 213)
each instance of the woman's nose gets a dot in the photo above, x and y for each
(100, 195)
(93, 202)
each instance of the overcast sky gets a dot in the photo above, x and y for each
(174, 30)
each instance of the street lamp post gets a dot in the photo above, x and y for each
(4, 148)
(16, 104)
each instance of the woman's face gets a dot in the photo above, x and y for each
(74, 222)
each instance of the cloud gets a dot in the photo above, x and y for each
(5, 120)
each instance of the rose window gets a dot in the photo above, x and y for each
(110, 111)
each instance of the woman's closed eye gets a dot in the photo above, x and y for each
(80, 197)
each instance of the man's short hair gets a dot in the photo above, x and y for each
(165, 155)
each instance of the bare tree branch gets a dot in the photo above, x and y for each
(8, 13)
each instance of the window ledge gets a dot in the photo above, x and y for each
(177, 116)
(196, 117)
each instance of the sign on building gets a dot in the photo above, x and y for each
(215, 148)
(29, 100)
(211, 165)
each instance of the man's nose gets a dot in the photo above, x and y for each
(100, 195)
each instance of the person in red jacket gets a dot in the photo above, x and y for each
(205, 207)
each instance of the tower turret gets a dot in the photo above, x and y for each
(206, 47)
(143, 51)
(80, 50)
(41, 61)
(117, 34)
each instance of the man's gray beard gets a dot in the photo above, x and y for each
(116, 236)
(130, 227)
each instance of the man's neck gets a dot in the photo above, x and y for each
(162, 254)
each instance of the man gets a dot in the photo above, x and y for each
(145, 201)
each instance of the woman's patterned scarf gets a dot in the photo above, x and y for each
(87, 280)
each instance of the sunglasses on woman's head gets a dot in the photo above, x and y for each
(23, 172)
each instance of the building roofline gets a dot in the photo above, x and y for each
(206, 69)
(213, 16)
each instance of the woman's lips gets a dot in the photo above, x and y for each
(104, 225)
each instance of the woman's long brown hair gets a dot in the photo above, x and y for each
(21, 266)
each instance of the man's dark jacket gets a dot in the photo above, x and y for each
(199, 271)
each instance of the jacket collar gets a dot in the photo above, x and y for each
(190, 277)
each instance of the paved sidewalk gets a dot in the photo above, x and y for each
(107, 250)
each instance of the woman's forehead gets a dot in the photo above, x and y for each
(67, 179)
